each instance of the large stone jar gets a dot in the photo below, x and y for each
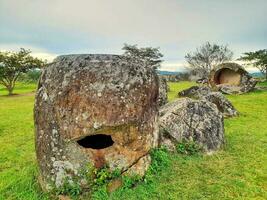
(98, 110)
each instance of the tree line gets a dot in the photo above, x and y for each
(208, 56)
(14, 64)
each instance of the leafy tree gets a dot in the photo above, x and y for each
(13, 64)
(258, 59)
(148, 56)
(208, 56)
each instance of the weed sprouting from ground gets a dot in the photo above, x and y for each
(188, 147)
(69, 188)
(160, 160)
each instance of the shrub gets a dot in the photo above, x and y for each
(31, 76)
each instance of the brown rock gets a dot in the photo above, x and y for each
(114, 185)
(98, 110)
(63, 197)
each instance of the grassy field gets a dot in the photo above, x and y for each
(239, 171)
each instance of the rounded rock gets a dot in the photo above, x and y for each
(100, 110)
(186, 119)
(231, 78)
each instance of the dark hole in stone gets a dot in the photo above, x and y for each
(99, 141)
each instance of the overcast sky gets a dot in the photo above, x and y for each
(53, 27)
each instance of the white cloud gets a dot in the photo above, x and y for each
(181, 66)
(148, 22)
(44, 56)
(102, 26)
(173, 66)
(36, 52)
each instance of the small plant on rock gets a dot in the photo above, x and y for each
(103, 175)
(69, 187)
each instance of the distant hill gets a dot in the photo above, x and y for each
(256, 74)
(167, 72)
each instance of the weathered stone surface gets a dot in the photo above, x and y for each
(176, 77)
(188, 119)
(261, 88)
(195, 92)
(231, 78)
(139, 167)
(114, 185)
(222, 103)
(97, 110)
(163, 91)
(63, 197)
(205, 93)
(202, 81)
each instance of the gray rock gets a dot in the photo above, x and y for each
(195, 92)
(205, 93)
(222, 103)
(195, 120)
(261, 88)
(163, 91)
(231, 78)
(176, 77)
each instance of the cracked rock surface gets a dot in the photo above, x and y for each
(222, 103)
(205, 93)
(194, 120)
(195, 92)
(98, 110)
(163, 91)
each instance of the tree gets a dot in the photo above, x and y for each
(258, 59)
(148, 56)
(13, 64)
(208, 56)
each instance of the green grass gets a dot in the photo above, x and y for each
(175, 88)
(20, 88)
(239, 171)
(263, 83)
(17, 158)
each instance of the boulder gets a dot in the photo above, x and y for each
(176, 77)
(163, 91)
(205, 93)
(261, 88)
(195, 120)
(94, 110)
(195, 92)
(231, 78)
(202, 81)
(222, 103)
